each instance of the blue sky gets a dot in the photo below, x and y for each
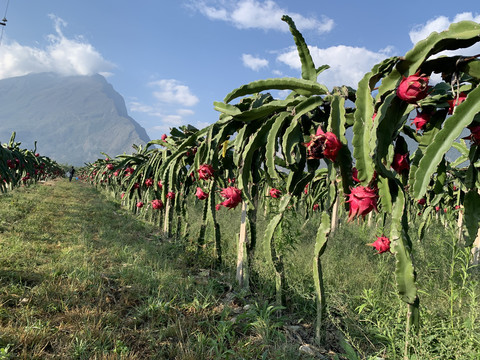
(171, 59)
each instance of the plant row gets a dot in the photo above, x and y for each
(381, 148)
(21, 167)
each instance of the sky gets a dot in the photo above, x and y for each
(171, 59)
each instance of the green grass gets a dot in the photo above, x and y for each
(81, 278)
(363, 307)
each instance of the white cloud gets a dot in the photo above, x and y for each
(185, 112)
(388, 50)
(62, 55)
(347, 64)
(159, 117)
(172, 91)
(136, 106)
(173, 120)
(169, 122)
(164, 113)
(158, 110)
(165, 122)
(253, 62)
(420, 32)
(161, 128)
(440, 24)
(282, 94)
(255, 14)
(213, 13)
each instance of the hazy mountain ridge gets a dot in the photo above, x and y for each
(72, 118)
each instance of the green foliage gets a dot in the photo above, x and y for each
(262, 143)
(364, 125)
(20, 166)
(472, 214)
(308, 67)
(442, 142)
(300, 86)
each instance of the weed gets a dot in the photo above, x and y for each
(5, 353)
(266, 321)
(80, 349)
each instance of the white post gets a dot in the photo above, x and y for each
(334, 222)
(242, 242)
(166, 223)
(476, 250)
(460, 225)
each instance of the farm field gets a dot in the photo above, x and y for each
(82, 278)
(345, 229)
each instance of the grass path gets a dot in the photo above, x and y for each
(82, 279)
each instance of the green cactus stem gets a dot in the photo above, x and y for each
(320, 246)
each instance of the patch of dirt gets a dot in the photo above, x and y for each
(50, 182)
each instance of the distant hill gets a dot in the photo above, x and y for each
(72, 118)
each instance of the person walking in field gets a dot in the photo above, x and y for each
(72, 171)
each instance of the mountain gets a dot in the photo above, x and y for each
(72, 118)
